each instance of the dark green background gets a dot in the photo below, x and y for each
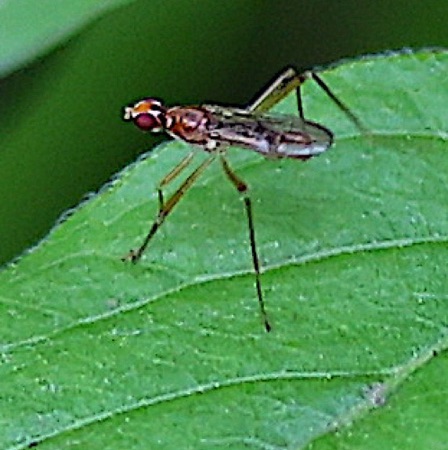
(60, 130)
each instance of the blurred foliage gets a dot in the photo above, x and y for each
(30, 29)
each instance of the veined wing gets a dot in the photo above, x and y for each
(276, 136)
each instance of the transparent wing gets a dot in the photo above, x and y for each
(273, 135)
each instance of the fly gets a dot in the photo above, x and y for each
(215, 128)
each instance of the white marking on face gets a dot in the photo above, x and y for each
(154, 113)
(128, 113)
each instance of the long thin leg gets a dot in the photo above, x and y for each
(286, 82)
(168, 206)
(342, 106)
(289, 80)
(170, 176)
(242, 188)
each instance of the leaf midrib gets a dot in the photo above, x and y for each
(202, 280)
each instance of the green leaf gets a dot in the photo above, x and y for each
(31, 28)
(171, 353)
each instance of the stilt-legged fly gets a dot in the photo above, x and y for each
(214, 128)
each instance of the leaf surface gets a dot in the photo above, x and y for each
(170, 352)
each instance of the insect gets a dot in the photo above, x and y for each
(214, 128)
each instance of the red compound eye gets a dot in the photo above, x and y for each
(146, 122)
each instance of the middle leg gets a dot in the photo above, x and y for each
(243, 189)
